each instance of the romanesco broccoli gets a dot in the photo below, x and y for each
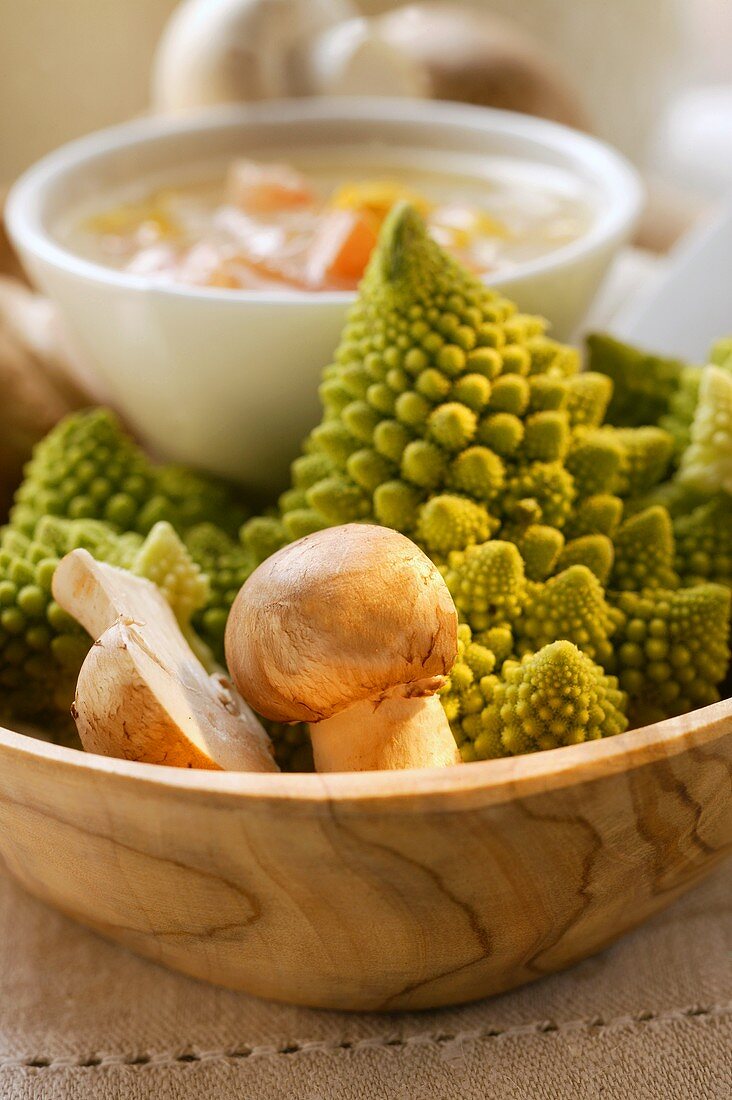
(41, 647)
(88, 468)
(642, 384)
(672, 649)
(706, 464)
(557, 696)
(453, 418)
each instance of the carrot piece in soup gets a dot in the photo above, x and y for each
(342, 246)
(266, 188)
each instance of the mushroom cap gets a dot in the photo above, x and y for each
(346, 614)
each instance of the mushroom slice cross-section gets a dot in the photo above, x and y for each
(142, 694)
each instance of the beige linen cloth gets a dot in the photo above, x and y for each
(649, 1019)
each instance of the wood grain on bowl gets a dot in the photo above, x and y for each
(392, 890)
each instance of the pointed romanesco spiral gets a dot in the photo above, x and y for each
(430, 396)
(599, 514)
(487, 583)
(571, 606)
(595, 551)
(644, 552)
(555, 697)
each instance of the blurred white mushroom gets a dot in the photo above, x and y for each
(223, 51)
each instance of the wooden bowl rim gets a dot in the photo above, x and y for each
(480, 783)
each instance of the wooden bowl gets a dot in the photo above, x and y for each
(382, 890)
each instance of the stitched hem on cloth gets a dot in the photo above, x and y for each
(542, 1027)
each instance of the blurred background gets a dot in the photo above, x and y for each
(70, 66)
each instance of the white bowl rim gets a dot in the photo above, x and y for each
(487, 782)
(24, 204)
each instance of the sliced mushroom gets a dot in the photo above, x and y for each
(353, 630)
(142, 694)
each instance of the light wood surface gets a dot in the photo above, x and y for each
(373, 890)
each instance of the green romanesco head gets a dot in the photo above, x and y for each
(87, 467)
(556, 696)
(430, 396)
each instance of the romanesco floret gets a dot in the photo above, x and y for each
(706, 464)
(448, 522)
(487, 583)
(645, 552)
(226, 565)
(540, 547)
(672, 649)
(557, 696)
(572, 606)
(595, 551)
(164, 560)
(588, 395)
(88, 468)
(703, 537)
(594, 460)
(646, 457)
(599, 514)
(548, 485)
(642, 384)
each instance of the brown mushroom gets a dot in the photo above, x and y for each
(353, 630)
(473, 56)
(142, 694)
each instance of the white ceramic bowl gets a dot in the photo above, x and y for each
(227, 380)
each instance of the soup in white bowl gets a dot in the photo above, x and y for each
(310, 222)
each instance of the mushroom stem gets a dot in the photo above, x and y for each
(142, 694)
(394, 732)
